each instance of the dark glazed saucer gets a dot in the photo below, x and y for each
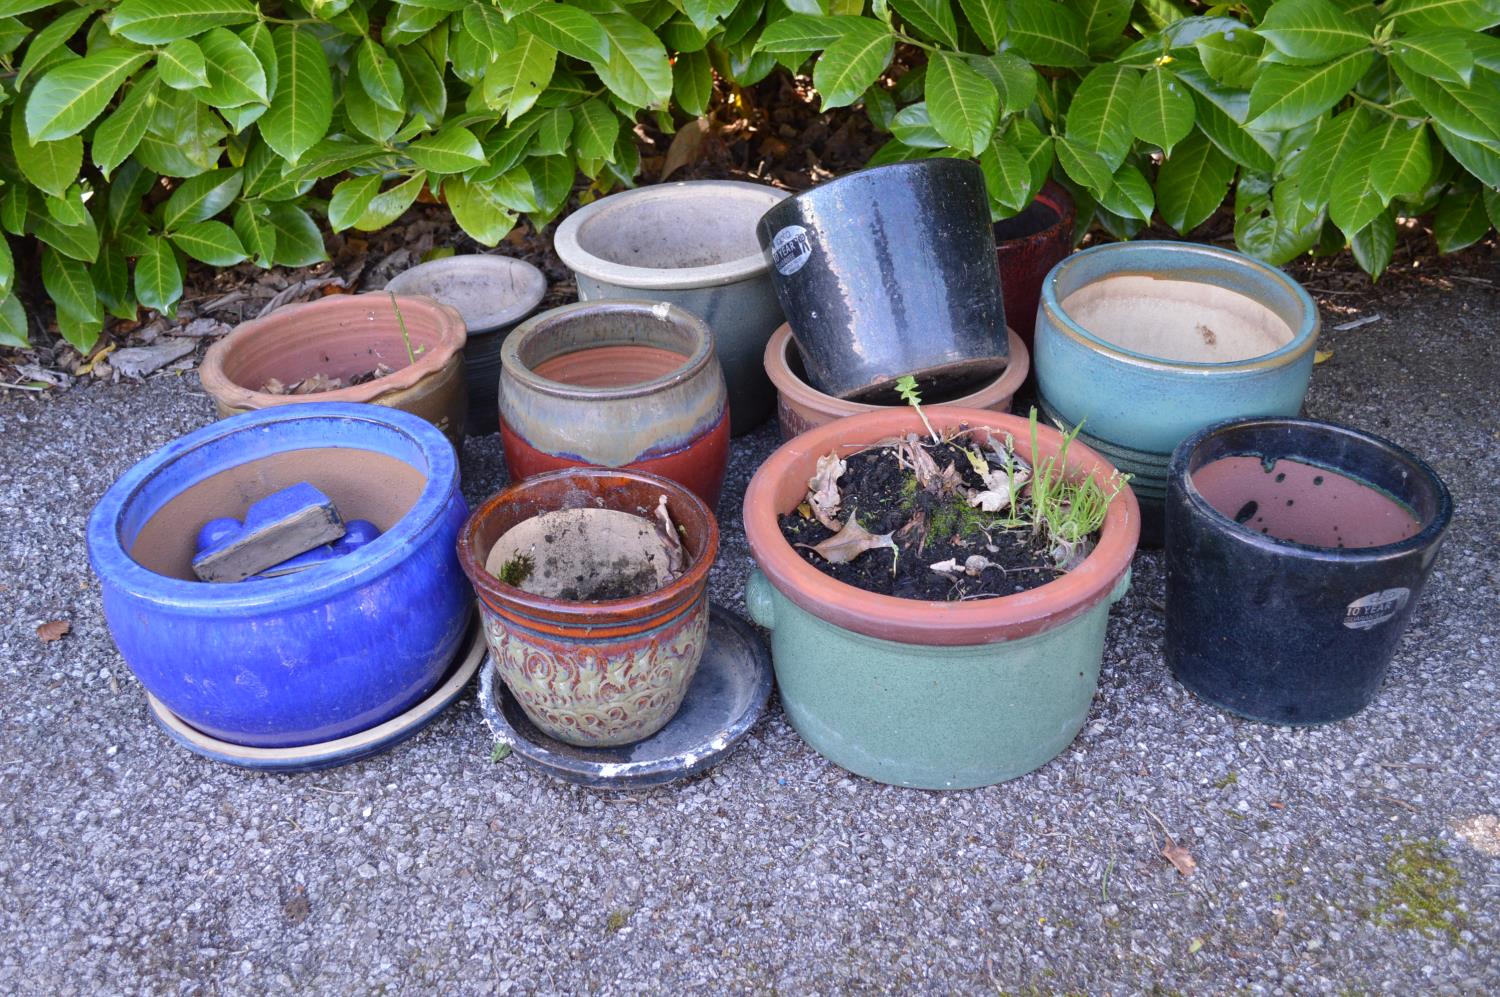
(727, 696)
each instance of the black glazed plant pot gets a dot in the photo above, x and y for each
(890, 271)
(1296, 551)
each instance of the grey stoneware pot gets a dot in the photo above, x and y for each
(493, 294)
(691, 244)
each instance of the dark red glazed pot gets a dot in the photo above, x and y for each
(616, 383)
(1029, 245)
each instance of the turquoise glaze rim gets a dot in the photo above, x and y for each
(1134, 259)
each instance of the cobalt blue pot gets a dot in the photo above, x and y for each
(1296, 552)
(309, 657)
(1145, 343)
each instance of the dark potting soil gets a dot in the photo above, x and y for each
(928, 530)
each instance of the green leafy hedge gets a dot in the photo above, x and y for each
(137, 135)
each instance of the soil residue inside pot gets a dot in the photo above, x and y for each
(322, 382)
(928, 525)
(1304, 503)
(588, 555)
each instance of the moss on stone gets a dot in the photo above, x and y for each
(1421, 892)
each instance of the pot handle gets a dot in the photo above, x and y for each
(760, 600)
(1121, 587)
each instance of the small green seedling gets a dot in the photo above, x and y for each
(1067, 511)
(411, 356)
(516, 570)
(501, 752)
(906, 387)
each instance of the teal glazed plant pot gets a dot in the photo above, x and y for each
(1145, 343)
(935, 695)
(692, 244)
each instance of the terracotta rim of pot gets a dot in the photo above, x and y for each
(530, 283)
(1181, 469)
(441, 325)
(916, 621)
(602, 613)
(1054, 196)
(539, 327)
(1304, 333)
(797, 391)
(580, 260)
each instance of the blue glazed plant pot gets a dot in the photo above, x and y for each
(1145, 343)
(309, 657)
(1296, 553)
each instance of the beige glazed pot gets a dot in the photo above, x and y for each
(342, 336)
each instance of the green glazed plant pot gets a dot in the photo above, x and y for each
(934, 695)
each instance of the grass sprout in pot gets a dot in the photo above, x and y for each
(1296, 553)
(800, 406)
(492, 293)
(1145, 343)
(309, 657)
(615, 383)
(1027, 246)
(692, 244)
(593, 588)
(401, 352)
(937, 582)
(887, 272)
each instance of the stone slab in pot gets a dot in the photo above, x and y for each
(800, 406)
(938, 695)
(887, 272)
(615, 383)
(1145, 343)
(1027, 247)
(594, 672)
(1297, 552)
(492, 293)
(691, 244)
(306, 658)
(343, 336)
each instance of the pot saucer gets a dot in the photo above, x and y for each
(727, 696)
(340, 751)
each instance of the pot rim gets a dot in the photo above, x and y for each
(565, 241)
(924, 622)
(1177, 470)
(936, 165)
(797, 390)
(685, 587)
(1304, 337)
(114, 566)
(1055, 196)
(494, 319)
(540, 325)
(447, 324)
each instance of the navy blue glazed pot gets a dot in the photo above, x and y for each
(1147, 342)
(309, 657)
(890, 271)
(1296, 552)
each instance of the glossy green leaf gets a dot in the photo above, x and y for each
(1191, 184)
(1103, 21)
(201, 197)
(1312, 30)
(158, 277)
(478, 211)
(963, 104)
(70, 96)
(388, 205)
(637, 70)
(1428, 15)
(1353, 199)
(1012, 76)
(1442, 55)
(49, 39)
(1460, 220)
(1100, 116)
(1404, 165)
(852, 63)
(380, 76)
(302, 108)
(800, 33)
(50, 166)
(1130, 195)
(488, 27)
(913, 126)
(13, 330)
(595, 128)
(931, 18)
(1469, 111)
(571, 30)
(350, 200)
(181, 65)
(1286, 96)
(210, 242)
(155, 22)
(1327, 154)
(235, 74)
(1162, 112)
(987, 18)
(111, 276)
(252, 223)
(519, 75)
(298, 242)
(693, 82)
(1375, 244)
(1084, 165)
(1231, 57)
(1047, 33)
(1483, 161)
(7, 268)
(80, 242)
(452, 150)
(68, 210)
(1007, 177)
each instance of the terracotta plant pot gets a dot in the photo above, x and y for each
(493, 294)
(930, 694)
(1027, 246)
(800, 406)
(594, 673)
(1296, 553)
(615, 383)
(344, 335)
(1145, 343)
(691, 244)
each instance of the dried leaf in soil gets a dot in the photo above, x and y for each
(1182, 860)
(823, 490)
(850, 542)
(53, 630)
(667, 530)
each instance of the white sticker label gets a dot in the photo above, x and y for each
(1374, 609)
(790, 249)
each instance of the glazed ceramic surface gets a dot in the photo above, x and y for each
(800, 406)
(616, 383)
(599, 673)
(492, 293)
(890, 271)
(691, 244)
(344, 335)
(930, 694)
(726, 698)
(1027, 247)
(306, 658)
(1231, 336)
(1296, 554)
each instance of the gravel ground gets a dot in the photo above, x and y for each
(1359, 857)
